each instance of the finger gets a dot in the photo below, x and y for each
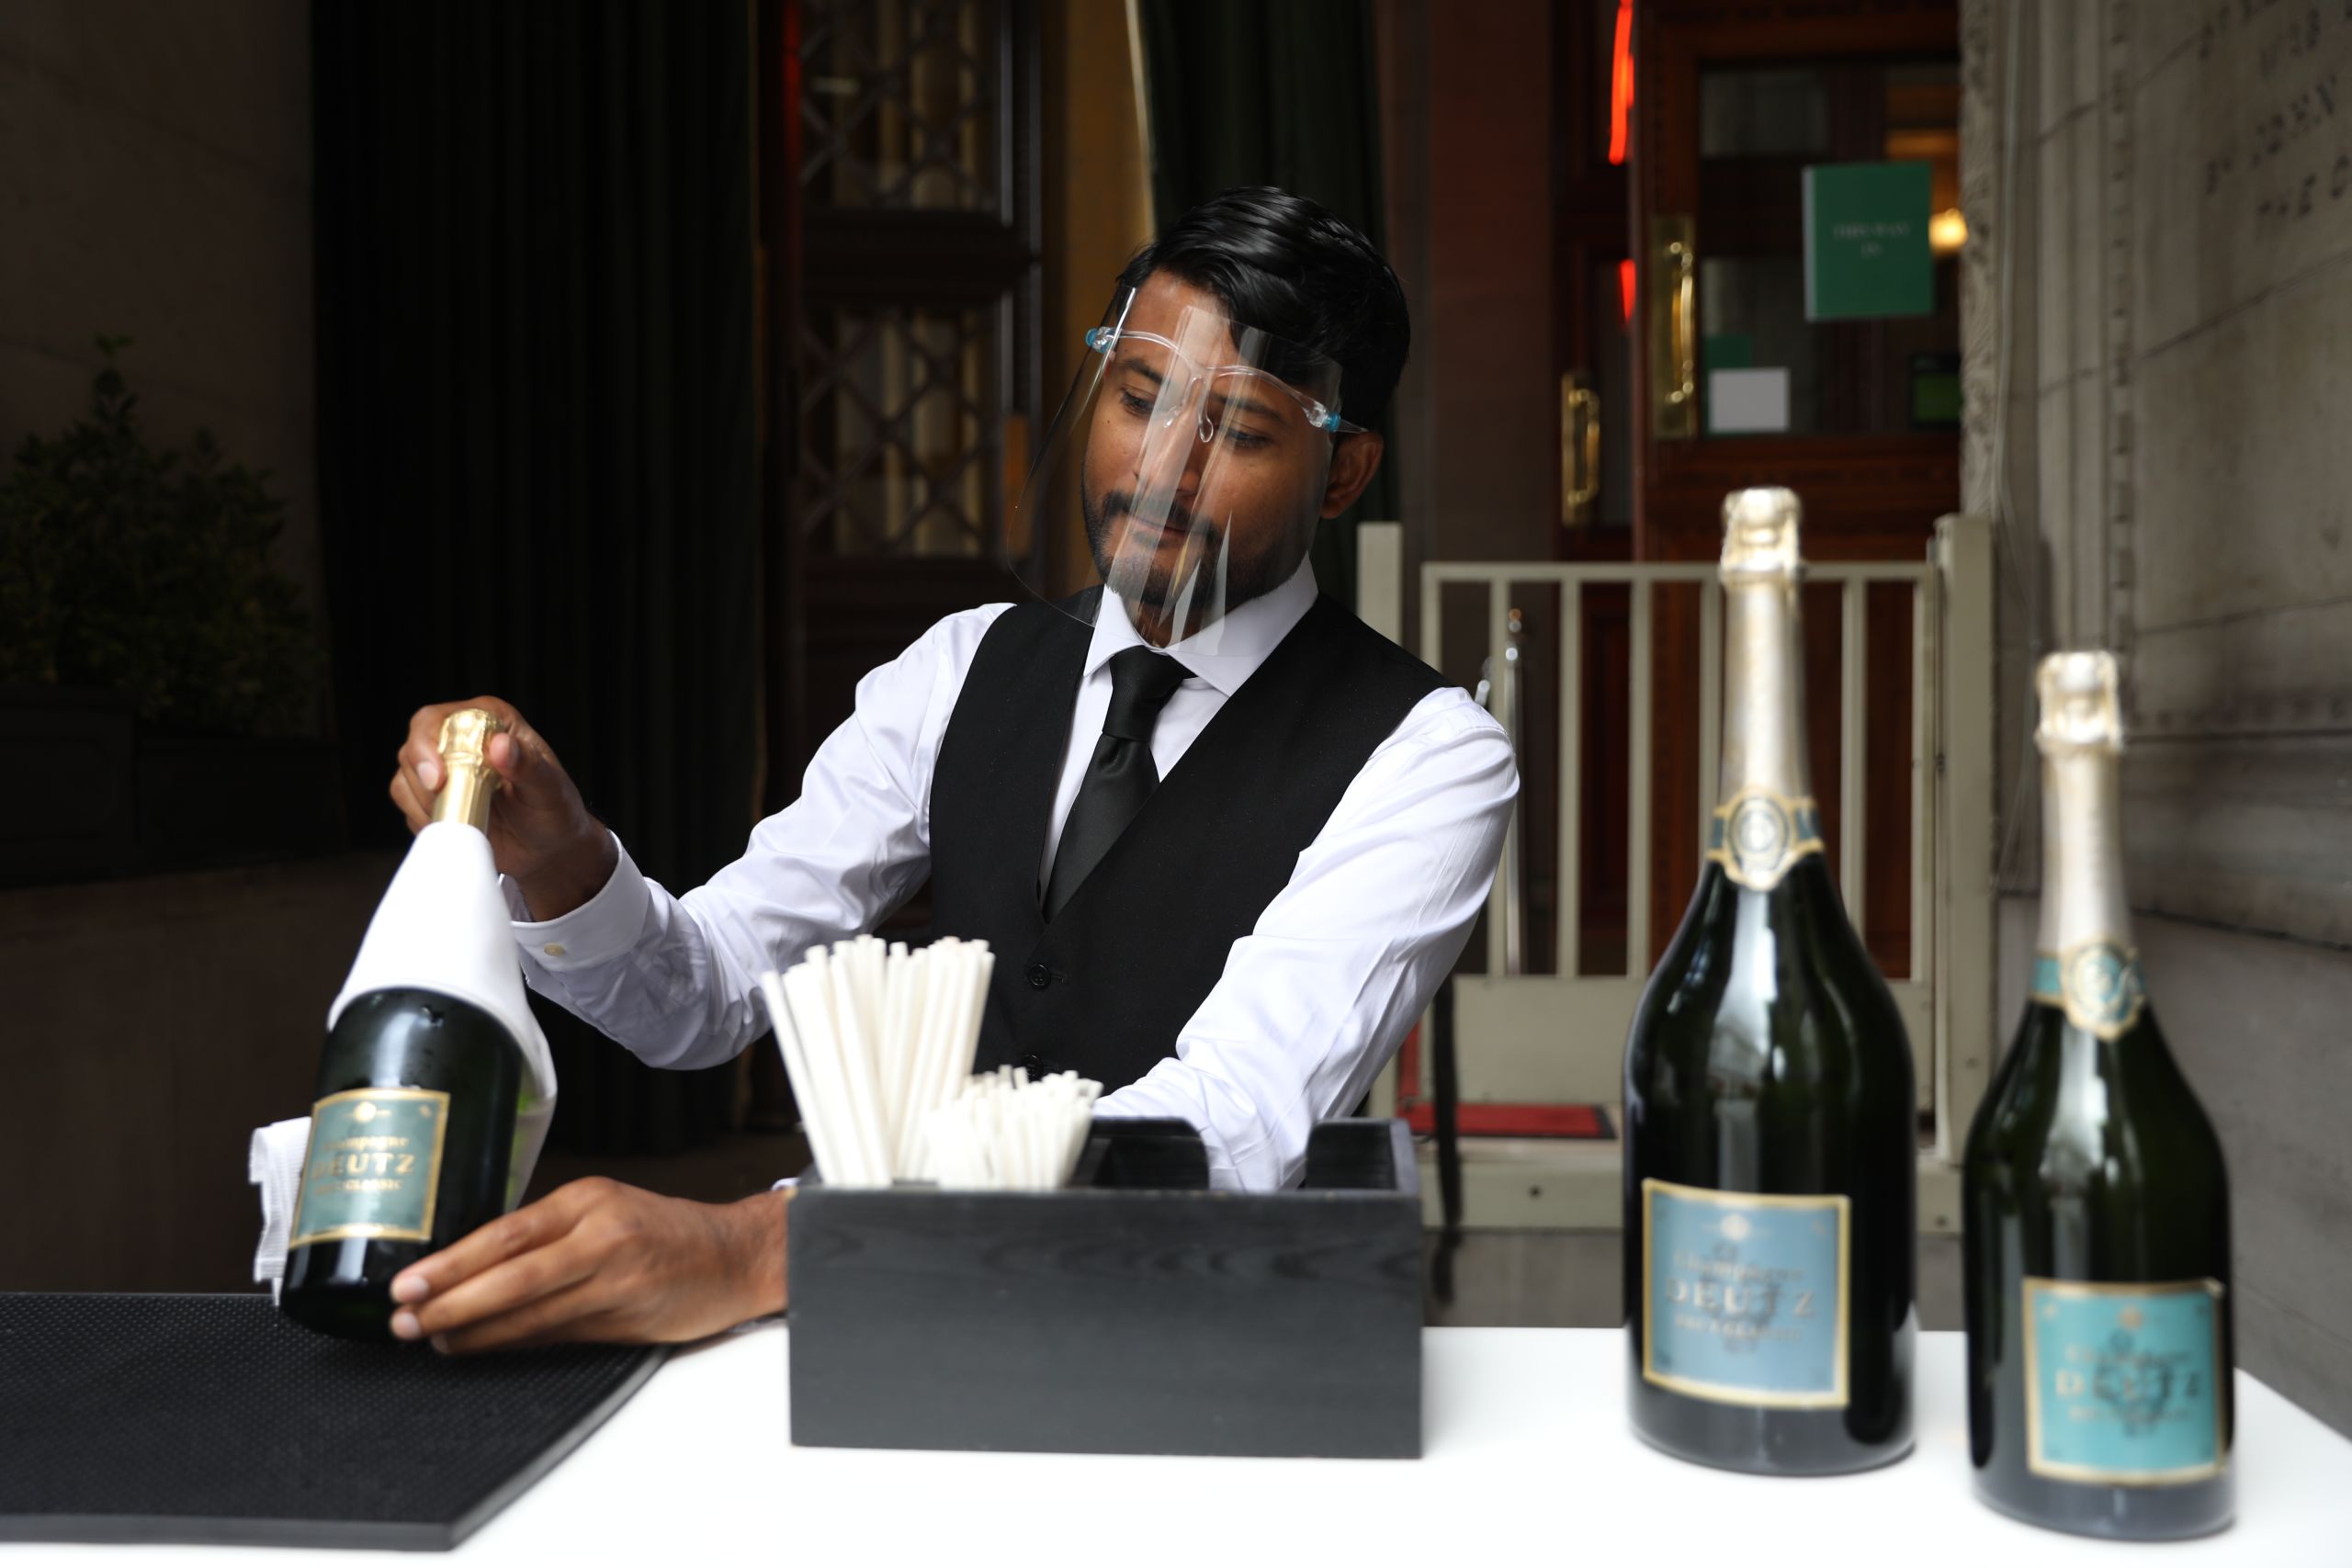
(403, 794)
(580, 1311)
(509, 1235)
(525, 762)
(502, 1290)
(512, 760)
(420, 752)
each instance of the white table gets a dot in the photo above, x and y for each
(1528, 1460)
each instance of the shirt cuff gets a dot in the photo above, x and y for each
(599, 930)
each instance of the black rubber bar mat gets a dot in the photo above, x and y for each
(211, 1420)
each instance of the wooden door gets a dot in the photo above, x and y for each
(1593, 352)
(1734, 100)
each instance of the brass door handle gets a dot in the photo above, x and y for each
(1579, 449)
(1674, 335)
(1686, 322)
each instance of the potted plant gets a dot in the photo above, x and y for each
(159, 681)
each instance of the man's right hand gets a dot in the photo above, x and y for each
(541, 833)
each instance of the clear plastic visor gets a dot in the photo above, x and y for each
(1195, 453)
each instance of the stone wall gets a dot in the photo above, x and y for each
(151, 1025)
(2159, 191)
(155, 184)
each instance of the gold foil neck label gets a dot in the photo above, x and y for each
(469, 780)
(2082, 705)
(2082, 905)
(2098, 985)
(1760, 529)
(1764, 786)
(1758, 836)
(465, 737)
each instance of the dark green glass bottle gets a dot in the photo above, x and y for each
(2095, 1206)
(412, 1131)
(1771, 1138)
(410, 1144)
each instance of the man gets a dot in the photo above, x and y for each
(1242, 943)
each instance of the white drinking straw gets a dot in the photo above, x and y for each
(935, 1072)
(921, 1018)
(814, 1114)
(850, 996)
(808, 988)
(1005, 1130)
(889, 1053)
(878, 1042)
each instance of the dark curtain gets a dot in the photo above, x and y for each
(537, 449)
(1243, 92)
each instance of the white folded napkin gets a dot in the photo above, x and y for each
(274, 1164)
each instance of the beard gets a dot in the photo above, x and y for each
(1184, 573)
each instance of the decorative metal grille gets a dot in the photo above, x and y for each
(900, 451)
(901, 105)
(916, 342)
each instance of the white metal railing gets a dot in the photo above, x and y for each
(1559, 1037)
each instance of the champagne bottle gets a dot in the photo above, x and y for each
(1771, 1141)
(2095, 1208)
(428, 1059)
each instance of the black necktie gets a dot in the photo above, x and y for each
(1122, 775)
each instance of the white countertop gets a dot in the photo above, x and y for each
(1528, 1460)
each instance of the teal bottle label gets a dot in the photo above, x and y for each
(373, 1168)
(2097, 986)
(2120, 1382)
(1757, 836)
(1744, 1295)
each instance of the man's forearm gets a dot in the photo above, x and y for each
(636, 960)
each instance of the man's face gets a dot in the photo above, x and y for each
(1199, 492)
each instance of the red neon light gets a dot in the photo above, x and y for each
(1621, 82)
(1625, 287)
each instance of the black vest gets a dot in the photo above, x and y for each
(1105, 987)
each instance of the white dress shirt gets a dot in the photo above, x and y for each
(1310, 1005)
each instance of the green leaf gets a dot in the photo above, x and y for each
(147, 572)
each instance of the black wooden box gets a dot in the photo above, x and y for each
(1133, 1312)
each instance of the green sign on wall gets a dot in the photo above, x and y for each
(1866, 241)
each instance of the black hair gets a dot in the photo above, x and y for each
(1289, 267)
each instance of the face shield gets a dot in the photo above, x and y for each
(1195, 451)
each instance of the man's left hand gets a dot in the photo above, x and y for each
(596, 1261)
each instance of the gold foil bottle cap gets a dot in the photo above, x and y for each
(1760, 535)
(465, 737)
(468, 779)
(2082, 707)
